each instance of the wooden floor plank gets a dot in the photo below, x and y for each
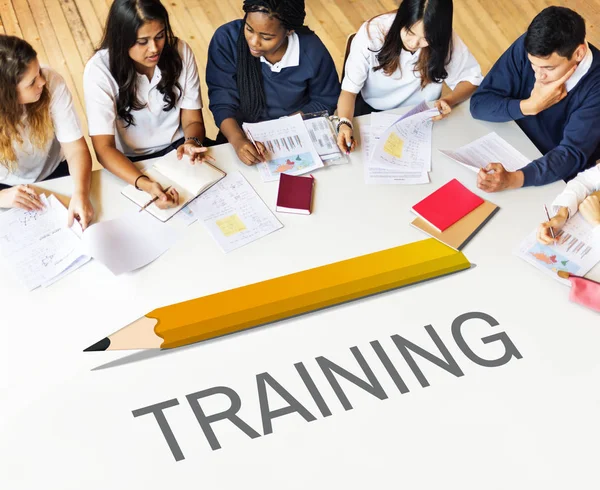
(78, 29)
(9, 19)
(67, 44)
(29, 30)
(92, 21)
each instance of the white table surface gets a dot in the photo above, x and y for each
(66, 416)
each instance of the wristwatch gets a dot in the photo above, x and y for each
(194, 139)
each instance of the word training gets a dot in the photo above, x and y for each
(411, 353)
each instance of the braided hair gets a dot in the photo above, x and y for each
(251, 91)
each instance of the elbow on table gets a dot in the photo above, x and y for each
(476, 106)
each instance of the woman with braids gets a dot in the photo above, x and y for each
(265, 66)
(402, 58)
(38, 129)
(142, 95)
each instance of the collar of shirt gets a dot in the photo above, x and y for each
(156, 76)
(290, 58)
(584, 66)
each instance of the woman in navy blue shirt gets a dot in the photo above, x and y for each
(265, 66)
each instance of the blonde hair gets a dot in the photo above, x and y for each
(15, 57)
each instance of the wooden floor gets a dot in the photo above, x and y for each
(66, 32)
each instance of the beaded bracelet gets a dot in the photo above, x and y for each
(344, 122)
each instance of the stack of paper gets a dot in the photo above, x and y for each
(323, 136)
(38, 245)
(397, 149)
(41, 249)
(290, 149)
(574, 252)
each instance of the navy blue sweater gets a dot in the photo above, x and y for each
(568, 133)
(311, 86)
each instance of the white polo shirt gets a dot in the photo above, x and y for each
(153, 128)
(403, 87)
(35, 164)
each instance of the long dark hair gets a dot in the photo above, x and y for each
(251, 91)
(120, 34)
(437, 25)
(15, 57)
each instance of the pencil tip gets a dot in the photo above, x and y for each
(102, 345)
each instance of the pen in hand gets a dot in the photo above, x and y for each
(551, 230)
(349, 145)
(154, 199)
(254, 144)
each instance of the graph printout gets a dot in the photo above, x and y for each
(574, 251)
(289, 147)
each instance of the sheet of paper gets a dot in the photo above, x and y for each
(38, 245)
(323, 138)
(400, 153)
(289, 147)
(381, 175)
(488, 149)
(234, 214)
(413, 134)
(381, 121)
(129, 242)
(574, 251)
(186, 216)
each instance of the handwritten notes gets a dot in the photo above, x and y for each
(233, 213)
(38, 245)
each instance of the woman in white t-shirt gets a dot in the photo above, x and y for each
(142, 95)
(402, 58)
(38, 130)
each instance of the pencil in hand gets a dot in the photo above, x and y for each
(154, 199)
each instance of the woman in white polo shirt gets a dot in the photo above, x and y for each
(38, 129)
(142, 95)
(403, 58)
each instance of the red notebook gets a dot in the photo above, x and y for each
(447, 205)
(295, 194)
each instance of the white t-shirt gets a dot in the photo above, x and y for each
(35, 164)
(403, 87)
(153, 128)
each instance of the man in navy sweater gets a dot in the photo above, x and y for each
(548, 81)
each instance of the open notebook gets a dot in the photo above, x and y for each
(189, 180)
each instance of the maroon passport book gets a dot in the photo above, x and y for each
(295, 194)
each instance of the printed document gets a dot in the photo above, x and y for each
(488, 149)
(574, 251)
(289, 147)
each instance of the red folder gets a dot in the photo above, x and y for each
(447, 205)
(295, 194)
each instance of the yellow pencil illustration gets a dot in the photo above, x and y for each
(283, 297)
